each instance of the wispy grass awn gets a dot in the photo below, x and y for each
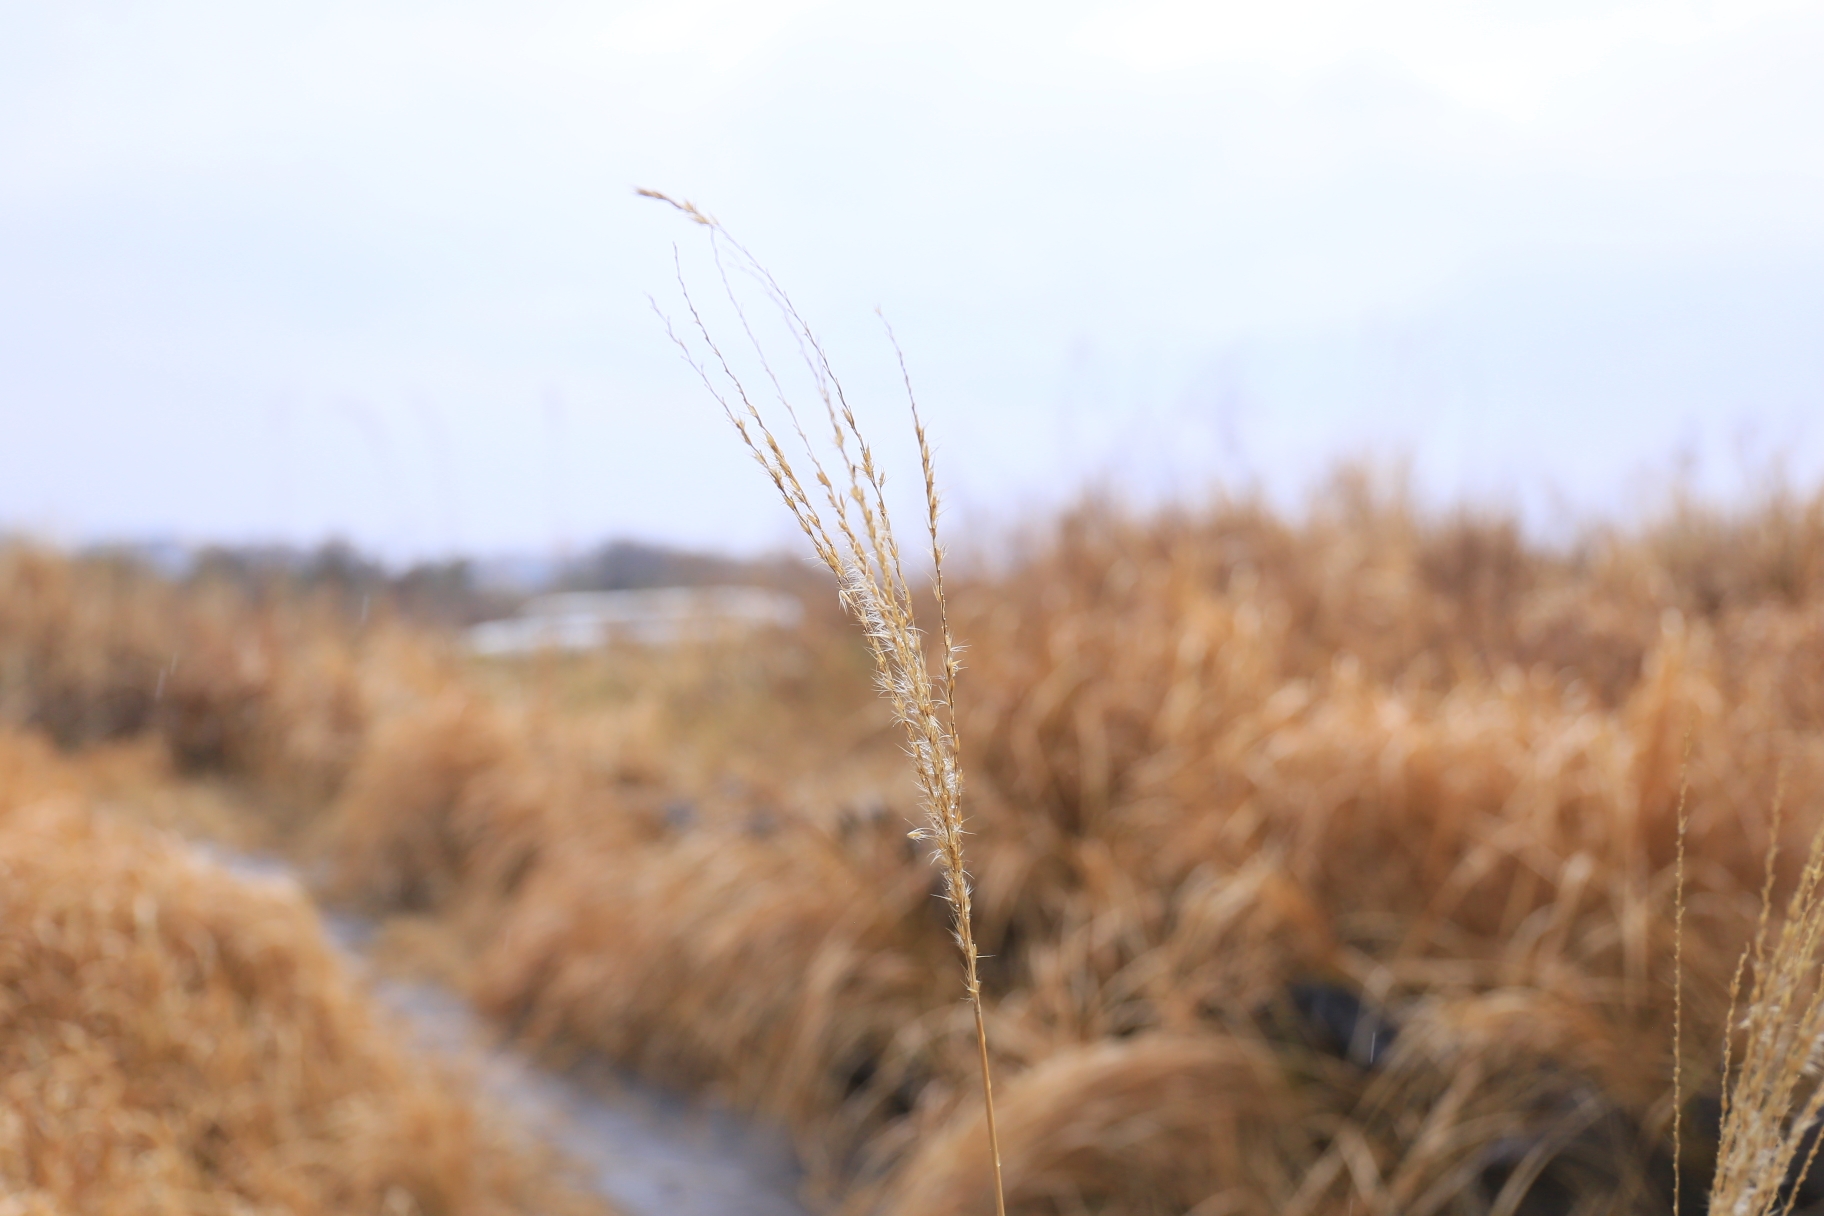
(853, 535)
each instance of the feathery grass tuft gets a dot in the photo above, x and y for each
(855, 540)
(1773, 1100)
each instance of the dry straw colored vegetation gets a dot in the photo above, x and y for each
(1769, 1128)
(1321, 864)
(174, 1039)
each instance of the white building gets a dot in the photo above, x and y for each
(584, 620)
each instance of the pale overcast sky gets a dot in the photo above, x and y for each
(376, 268)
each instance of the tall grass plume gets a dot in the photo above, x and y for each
(852, 534)
(1772, 1100)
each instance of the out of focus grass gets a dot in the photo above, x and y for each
(177, 1039)
(1324, 864)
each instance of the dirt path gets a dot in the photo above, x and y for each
(649, 1152)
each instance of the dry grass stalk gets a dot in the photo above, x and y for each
(856, 542)
(1678, 985)
(1678, 978)
(1773, 1101)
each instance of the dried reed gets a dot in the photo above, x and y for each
(1771, 1106)
(856, 542)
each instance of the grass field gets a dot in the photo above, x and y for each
(1321, 865)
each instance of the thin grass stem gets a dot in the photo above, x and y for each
(855, 540)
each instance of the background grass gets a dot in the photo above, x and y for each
(1245, 787)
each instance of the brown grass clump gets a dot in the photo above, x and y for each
(441, 796)
(175, 1039)
(1151, 1125)
(100, 648)
(728, 958)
